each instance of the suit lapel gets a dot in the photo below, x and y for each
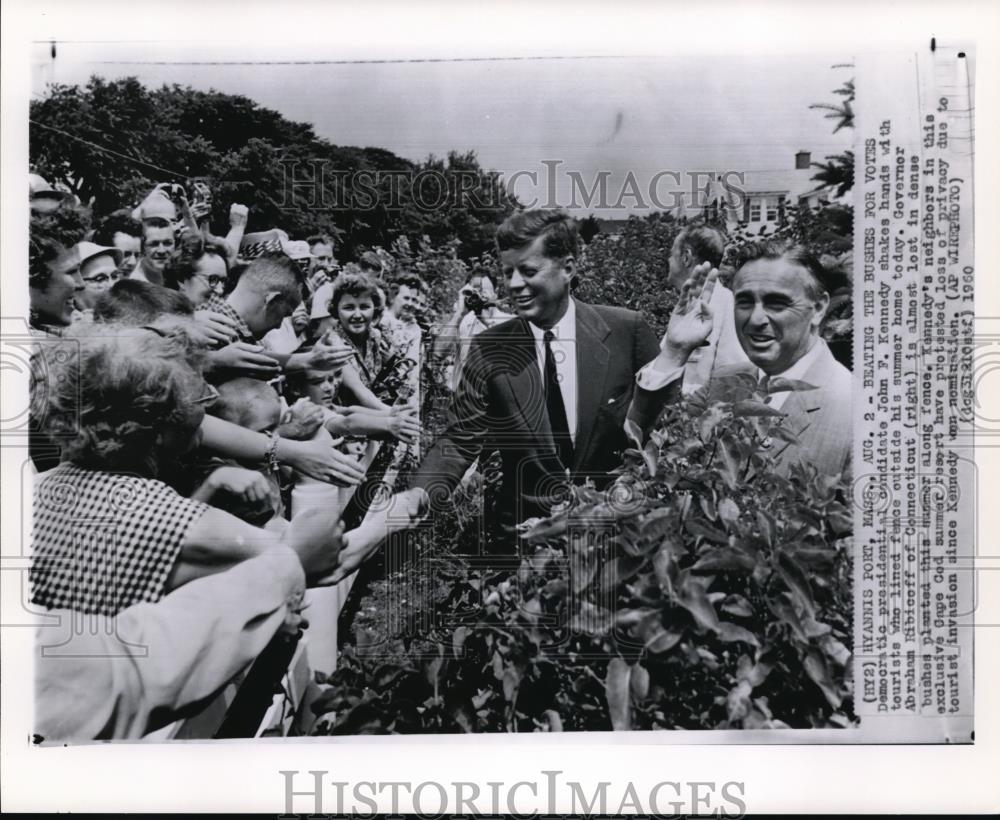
(592, 357)
(801, 406)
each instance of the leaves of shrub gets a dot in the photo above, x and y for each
(617, 693)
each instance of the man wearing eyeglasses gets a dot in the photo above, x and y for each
(99, 270)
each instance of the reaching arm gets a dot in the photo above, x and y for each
(192, 641)
(401, 512)
(238, 215)
(351, 379)
(400, 423)
(467, 428)
(316, 459)
(217, 541)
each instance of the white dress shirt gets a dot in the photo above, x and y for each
(796, 372)
(564, 352)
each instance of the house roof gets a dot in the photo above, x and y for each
(793, 182)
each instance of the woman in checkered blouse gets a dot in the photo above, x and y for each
(107, 534)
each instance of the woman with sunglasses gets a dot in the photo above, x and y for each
(124, 403)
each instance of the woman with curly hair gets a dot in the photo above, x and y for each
(353, 304)
(199, 270)
(107, 533)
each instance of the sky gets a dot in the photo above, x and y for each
(550, 116)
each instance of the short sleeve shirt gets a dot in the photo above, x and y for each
(102, 542)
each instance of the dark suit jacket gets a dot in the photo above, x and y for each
(500, 405)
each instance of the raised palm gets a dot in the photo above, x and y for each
(691, 320)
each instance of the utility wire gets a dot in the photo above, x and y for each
(107, 150)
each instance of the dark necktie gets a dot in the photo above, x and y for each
(556, 409)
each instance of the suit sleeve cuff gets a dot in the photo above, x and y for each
(652, 379)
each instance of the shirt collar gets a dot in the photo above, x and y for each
(242, 328)
(564, 329)
(801, 367)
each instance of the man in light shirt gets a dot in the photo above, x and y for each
(781, 293)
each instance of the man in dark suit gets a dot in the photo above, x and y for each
(550, 389)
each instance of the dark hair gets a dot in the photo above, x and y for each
(315, 239)
(410, 280)
(134, 302)
(370, 261)
(183, 263)
(821, 280)
(524, 227)
(274, 272)
(707, 244)
(155, 222)
(354, 284)
(50, 236)
(118, 222)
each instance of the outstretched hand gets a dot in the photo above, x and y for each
(691, 320)
(401, 511)
(211, 328)
(304, 419)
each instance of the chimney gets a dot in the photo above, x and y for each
(802, 161)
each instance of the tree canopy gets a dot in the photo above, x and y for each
(109, 142)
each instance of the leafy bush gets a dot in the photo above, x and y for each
(703, 589)
(629, 269)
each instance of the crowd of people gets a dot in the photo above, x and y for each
(185, 387)
(188, 389)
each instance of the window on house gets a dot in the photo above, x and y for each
(755, 209)
(772, 209)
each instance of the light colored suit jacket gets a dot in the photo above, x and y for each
(821, 419)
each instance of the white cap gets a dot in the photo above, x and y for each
(297, 249)
(88, 250)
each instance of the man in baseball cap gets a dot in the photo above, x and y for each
(99, 270)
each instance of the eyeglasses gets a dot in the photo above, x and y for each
(103, 278)
(215, 282)
(211, 397)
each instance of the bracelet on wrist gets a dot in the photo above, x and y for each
(271, 456)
